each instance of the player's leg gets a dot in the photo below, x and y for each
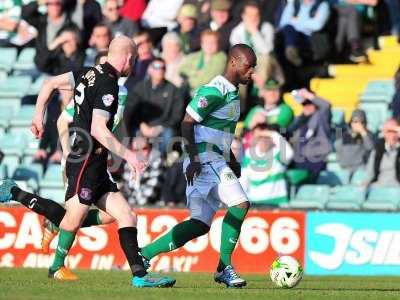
(75, 214)
(198, 225)
(230, 192)
(116, 206)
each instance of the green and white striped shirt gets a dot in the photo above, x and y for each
(216, 108)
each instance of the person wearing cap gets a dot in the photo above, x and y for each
(202, 66)
(264, 166)
(188, 29)
(311, 132)
(221, 21)
(383, 167)
(355, 143)
(272, 111)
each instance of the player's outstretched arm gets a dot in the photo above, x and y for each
(61, 82)
(104, 136)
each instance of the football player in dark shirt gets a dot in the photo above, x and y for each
(88, 181)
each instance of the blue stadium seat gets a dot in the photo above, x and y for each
(311, 196)
(346, 197)
(377, 114)
(337, 117)
(359, 177)
(6, 113)
(12, 144)
(21, 122)
(383, 198)
(333, 178)
(55, 194)
(3, 171)
(25, 60)
(52, 178)
(8, 56)
(15, 87)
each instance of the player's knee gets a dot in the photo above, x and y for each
(70, 224)
(244, 205)
(126, 219)
(106, 219)
(203, 227)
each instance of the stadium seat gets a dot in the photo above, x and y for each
(333, 166)
(333, 178)
(346, 197)
(14, 104)
(36, 85)
(11, 162)
(12, 144)
(21, 122)
(359, 177)
(311, 196)
(383, 198)
(377, 114)
(3, 171)
(52, 178)
(30, 173)
(337, 117)
(332, 157)
(15, 87)
(8, 57)
(25, 60)
(6, 114)
(55, 194)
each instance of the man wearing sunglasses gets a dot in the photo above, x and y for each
(157, 104)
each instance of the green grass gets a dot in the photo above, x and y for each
(26, 284)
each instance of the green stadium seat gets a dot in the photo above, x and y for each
(3, 171)
(26, 172)
(337, 117)
(377, 114)
(55, 194)
(37, 85)
(14, 104)
(6, 114)
(8, 56)
(333, 166)
(332, 157)
(52, 178)
(15, 87)
(21, 122)
(346, 197)
(383, 198)
(333, 178)
(12, 144)
(359, 177)
(25, 60)
(311, 196)
(11, 162)
(380, 87)
(371, 98)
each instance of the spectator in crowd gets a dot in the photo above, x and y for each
(395, 105)
(173, 57)
(144, 58)
(355, 143)
(383, 165)
(48, 25)
(99, 42)
(64, 54)
(133, 9)
(146, 190)
(187, 29)
(349, 27)
(260, 36)
(85, 14)
(311, 133)
(118, 24)
(155, 103)
(394, 12)
(13, 30)
(202, 66)
(300, 19)
(264, 167)
(221, 21)
(273, 111)
(161, 14)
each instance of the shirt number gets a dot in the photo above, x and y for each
(81, 90)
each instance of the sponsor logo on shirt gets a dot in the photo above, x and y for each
(202, 103)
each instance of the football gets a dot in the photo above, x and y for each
(286, 272)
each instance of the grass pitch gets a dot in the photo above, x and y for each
(24, 284)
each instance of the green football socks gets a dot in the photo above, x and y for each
(65, 242)
(175, 238)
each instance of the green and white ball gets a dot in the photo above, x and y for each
(286, 272)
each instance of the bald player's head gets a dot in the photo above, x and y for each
(241, 62)
(121, 54)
